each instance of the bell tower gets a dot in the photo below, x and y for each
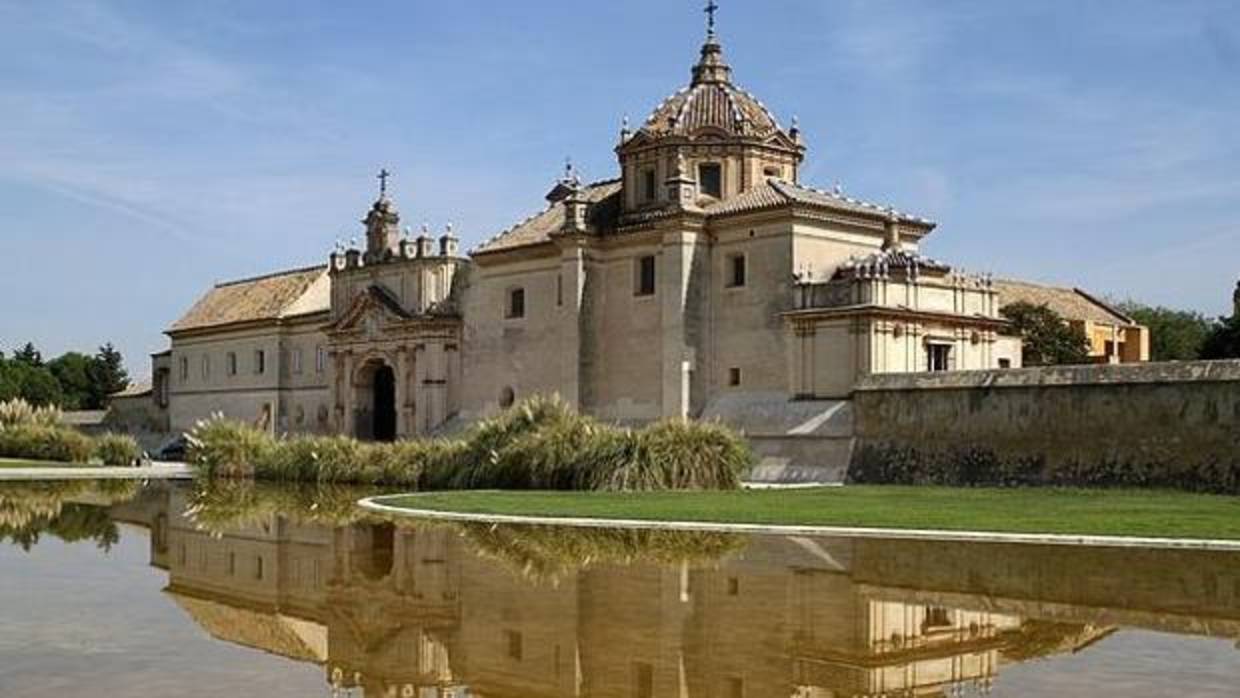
(382, 224)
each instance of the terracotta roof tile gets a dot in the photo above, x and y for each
(539, 227)
(1071, 303)
(269, 297)
(777, 192)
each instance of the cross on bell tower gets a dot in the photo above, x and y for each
(383, 178)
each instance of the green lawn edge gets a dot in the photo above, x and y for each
(17, 464)
(1127, 513)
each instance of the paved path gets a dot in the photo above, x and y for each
(155, 471)
(376, 504)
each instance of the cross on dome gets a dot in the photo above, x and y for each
(711, 8)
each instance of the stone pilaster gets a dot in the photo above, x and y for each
(571, 295)
(675, 268)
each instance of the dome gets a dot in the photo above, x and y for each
(711, 101)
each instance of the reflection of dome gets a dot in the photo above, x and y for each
(711, 101)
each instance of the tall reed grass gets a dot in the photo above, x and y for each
(35, 433)
(538, 444)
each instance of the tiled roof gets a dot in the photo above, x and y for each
(777, 192)
(1071, 303)
(249, 628)
(270, 297)
(539, 227)
(135, 389)
(711, 104)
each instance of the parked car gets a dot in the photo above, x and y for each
(173, 450)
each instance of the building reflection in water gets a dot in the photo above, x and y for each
(452, 611)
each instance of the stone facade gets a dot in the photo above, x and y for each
(1175, 422)
(704, 280)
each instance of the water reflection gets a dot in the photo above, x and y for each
(449, 611)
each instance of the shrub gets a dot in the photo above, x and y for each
(677, 455)
(117, 449)
(41, 442)
(219, 447)
(539, 444)
(18, 412)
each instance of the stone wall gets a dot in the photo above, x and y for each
(1156, 424)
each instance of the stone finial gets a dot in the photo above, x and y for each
(794, 132)
(424, 244)
(625, 132)
(448, 243)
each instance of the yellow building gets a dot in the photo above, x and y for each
(1114, 338)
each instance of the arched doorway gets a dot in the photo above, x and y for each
(384, 407)
(375, 405)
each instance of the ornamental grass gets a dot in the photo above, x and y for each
(538, 444)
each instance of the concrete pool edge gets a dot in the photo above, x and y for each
(163, 471)
(372, 504)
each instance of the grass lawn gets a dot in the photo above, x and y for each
(1090, 512)
(10, 463)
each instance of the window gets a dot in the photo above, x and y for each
(710, 179)
(184, 368)
(507, 396)
(643, 680)
(296, 360)
(206, 366)
(644, 273)
(516, 303)
(772, 171)
(260, 361)
(939, 356)
(1005, 363)
(736, 687)
(320, 359)
(736, 270)
(559, 289)
(258, 567)
(734, 586)
(513, 640)
(231, 363)
(650, 188)
(232, 564)
(734, 377)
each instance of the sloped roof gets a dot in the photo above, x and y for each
(777, 192)
(1071, 303)
(135, 389)
(245, 627)
(539, 227)
(269, 297)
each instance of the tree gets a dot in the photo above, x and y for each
(108, 375)
(74, 371)
(1224, 341)
(1175, 335)
(1047, 338)
(29, 355)
(35, 384)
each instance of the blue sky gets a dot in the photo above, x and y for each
(150, 149)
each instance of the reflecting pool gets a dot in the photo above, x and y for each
(123, 589)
